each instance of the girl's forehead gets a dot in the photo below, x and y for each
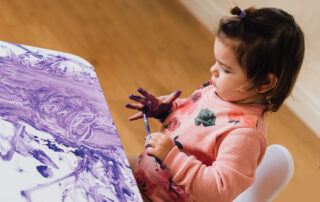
(224, 47)
(231, 43)
(225, 51)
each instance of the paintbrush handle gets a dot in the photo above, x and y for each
(146, 123)
(154, 159)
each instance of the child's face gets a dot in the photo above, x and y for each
(227, 75)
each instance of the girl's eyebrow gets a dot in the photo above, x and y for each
(224, 64)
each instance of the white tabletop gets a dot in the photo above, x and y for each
(58, 141)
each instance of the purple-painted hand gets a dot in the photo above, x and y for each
(157, 107)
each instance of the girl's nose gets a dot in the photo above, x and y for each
(214, 70)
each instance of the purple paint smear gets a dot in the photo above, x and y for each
(56, 128)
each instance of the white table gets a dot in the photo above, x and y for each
(58, 141)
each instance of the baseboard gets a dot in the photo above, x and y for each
(306, 107)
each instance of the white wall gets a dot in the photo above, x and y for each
(305, 102)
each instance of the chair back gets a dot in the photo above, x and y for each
(272, 175)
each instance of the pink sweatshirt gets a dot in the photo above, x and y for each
(218, 146)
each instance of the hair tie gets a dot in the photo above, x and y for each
(242, 14)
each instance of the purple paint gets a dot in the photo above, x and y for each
(54, 111)
(43, 158)
(79, 153)
(151, 106)
(53, 146)
(44, 171)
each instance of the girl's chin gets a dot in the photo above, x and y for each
(221, 97)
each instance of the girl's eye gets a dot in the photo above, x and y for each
(225, 70)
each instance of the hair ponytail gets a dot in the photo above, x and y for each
(238, 12)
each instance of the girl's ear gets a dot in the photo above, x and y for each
(269, 83)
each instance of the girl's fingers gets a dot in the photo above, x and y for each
(138, 99)
(146, 94)
(136, 106)
(150, 151)
(150, 143)
(136, 116)
(173, 96)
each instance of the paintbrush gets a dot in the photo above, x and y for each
(144, 110)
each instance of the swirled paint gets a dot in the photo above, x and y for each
(58, 141)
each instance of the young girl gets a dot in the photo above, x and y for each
(210, 144)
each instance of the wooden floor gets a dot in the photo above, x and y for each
(155, 44)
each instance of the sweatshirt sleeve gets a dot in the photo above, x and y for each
(238, 154)
(178, 102)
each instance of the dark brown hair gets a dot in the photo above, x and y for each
(269, 41)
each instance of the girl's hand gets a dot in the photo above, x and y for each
(154, 107)
(159, 145)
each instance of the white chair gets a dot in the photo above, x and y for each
(272, 175)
